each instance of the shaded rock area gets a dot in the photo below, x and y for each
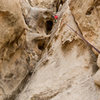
(42, 58)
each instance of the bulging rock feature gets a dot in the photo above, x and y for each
(96, 78)
(98, 61)
(12, 45)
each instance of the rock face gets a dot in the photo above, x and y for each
(41, 3)
(12, 43)
(88, 19)
(65, 72)
(44, 59)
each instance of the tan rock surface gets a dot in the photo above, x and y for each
(12, 41)
(65, 70)
(20, 47)
(96, 77)
(44, 59)
(98, 61)
(41, 3)
(86, 14)
(87, 17)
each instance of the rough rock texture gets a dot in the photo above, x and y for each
(98, 61)
(54, 5)
(20, 49)
(65, 70)
(41, 3)
(44, 59)
(88, 21)
(97, 77)
(12, 42)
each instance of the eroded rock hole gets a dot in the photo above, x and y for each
(49, 25)
(41, 46)
(89, 11)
